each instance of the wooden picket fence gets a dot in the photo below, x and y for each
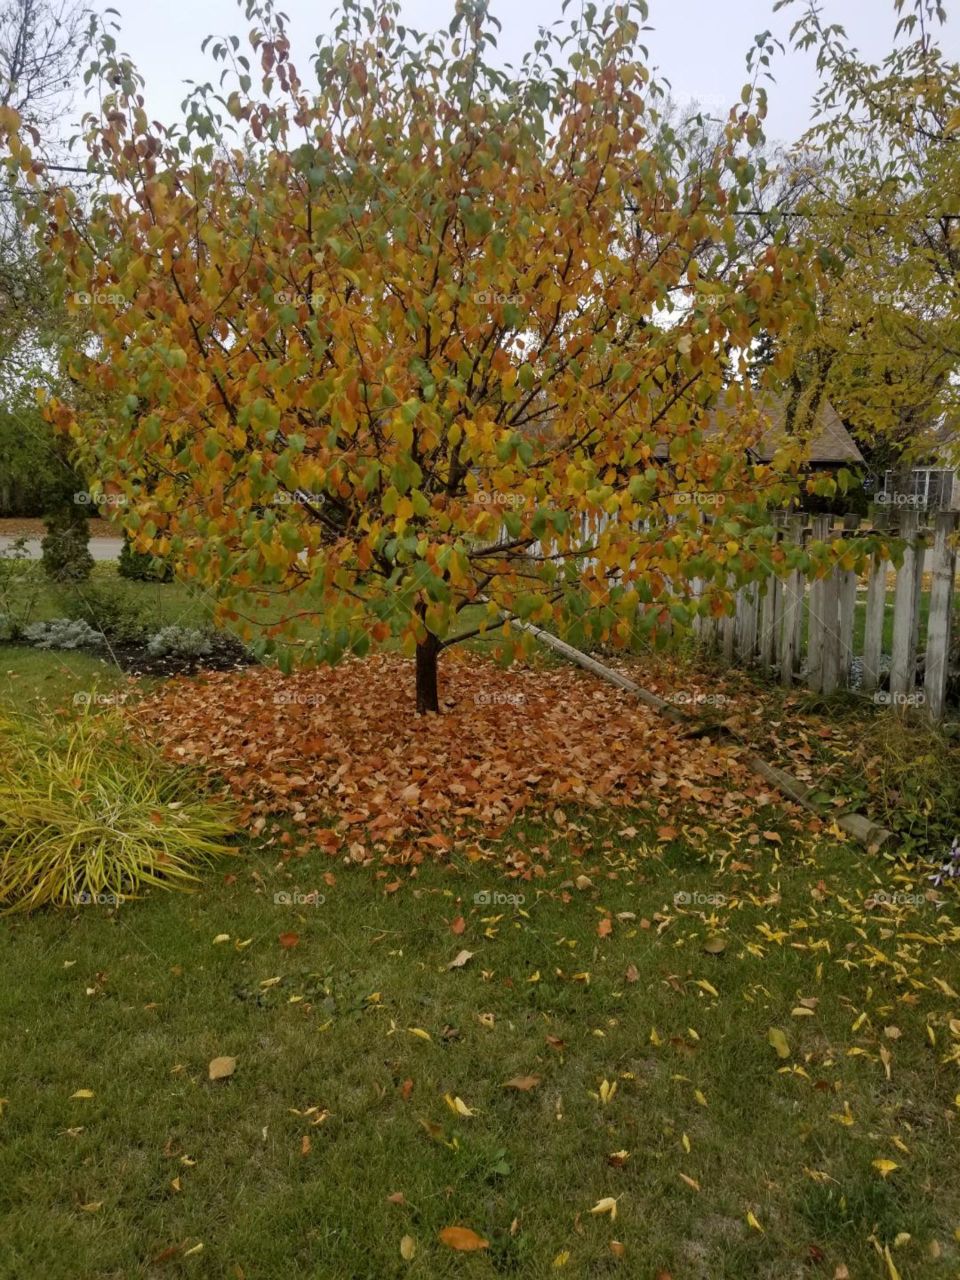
(768, 629)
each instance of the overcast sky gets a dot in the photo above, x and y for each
(699, 45)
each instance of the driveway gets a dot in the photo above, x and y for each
(100, 548)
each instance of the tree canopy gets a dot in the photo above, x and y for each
(429, 338)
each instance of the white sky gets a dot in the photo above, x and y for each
(699, 45)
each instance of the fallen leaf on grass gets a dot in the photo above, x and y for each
(523, 1083)
(82, 1093)
(460, 959)
(884, 1167)
(221, 1068)
(92, 1206)
(289, 940)
(779, 1042)
(607, 1205)
(408, 1248)
(462, 1239)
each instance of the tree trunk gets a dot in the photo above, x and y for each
(427, 654)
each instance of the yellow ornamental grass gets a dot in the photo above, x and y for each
(87, 809)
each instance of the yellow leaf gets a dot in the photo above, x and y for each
(752, 1221)
(691, 1182)
(700, 1097)
(607, 1205)
(221, 1068)
(779, 1042)
(221, 937)
(82, 1093)
(708, 987)
(884, 1167)
(457, 1106)
(562, 1258)
(419, 1033)
(408, 1248)
(92, 1207)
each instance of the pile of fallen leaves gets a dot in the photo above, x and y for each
(340, 752)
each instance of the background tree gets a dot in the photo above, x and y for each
(405, 355)
(884, 160)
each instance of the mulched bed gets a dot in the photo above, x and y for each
(227, 654)
(341, 753)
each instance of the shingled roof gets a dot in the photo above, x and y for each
(829, 443)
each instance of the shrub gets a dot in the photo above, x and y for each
(88, 809)
(66, 555)
(20, 587)
(187, 642)
(909, 775)
(107, 608)
(62, 633)
(142, 567)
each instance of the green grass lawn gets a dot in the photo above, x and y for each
(651, 1022)
(348, 1044)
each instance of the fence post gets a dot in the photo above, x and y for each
(816, 614)
(792, 607)
(848, 606)
(876, 614)
(747, 623)
(941, 614)
(903, 665)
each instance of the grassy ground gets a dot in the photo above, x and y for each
(645, 979)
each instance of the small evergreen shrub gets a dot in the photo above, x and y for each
(66, 555)
(186, 642)
(62, 633)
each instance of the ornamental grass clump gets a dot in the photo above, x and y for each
(89, 812)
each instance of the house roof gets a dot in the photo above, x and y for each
(829, 440)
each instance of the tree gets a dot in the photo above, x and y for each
(40, 44)
(403, 356)
(884, 152)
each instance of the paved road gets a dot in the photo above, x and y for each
(100, 548)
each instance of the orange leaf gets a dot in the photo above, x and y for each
(463, 1239)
